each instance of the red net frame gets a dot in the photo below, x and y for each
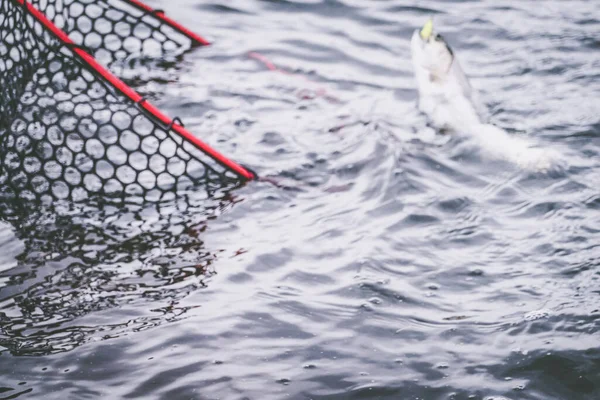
(69, 128)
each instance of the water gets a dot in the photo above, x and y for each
(389, 261)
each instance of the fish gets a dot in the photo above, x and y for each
(452, 105)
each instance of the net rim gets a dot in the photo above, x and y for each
(144, 105)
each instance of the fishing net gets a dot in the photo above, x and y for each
(115, 30)
(69, 132)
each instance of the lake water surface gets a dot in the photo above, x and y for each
(387, 262)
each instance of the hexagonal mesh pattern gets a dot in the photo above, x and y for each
(113, 30)
(66, 133)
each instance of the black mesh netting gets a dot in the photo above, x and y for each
(65, 133)
(113, 30)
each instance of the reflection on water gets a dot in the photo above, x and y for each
(387, 261)
(78, 260)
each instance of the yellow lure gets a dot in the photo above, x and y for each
(427, 29)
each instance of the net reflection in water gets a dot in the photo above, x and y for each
(80, 264)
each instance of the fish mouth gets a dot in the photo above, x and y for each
(427, 35)
(431, 51)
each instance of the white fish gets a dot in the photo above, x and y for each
(447, 98)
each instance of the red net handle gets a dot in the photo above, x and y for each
(159, 14)
(91, 62)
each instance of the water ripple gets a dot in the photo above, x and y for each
(377, 259)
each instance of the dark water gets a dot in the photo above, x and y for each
(393, 263)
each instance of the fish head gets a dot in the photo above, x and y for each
(431, 52)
